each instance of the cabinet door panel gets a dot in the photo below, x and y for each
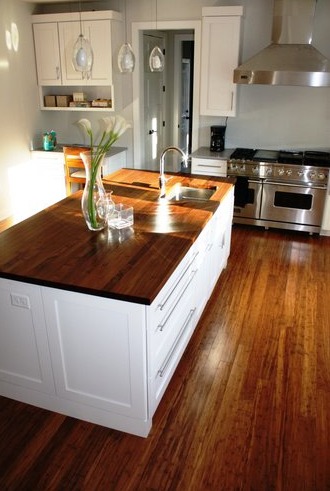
(68, 34)
(99, 34)
(220, 48)
(24, 355)
(47, 53)
(98, 351)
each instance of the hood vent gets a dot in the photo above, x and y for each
(290, 59)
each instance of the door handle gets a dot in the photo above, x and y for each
(152, 131)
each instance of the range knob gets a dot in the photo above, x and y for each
(242, 167)
(312, 175)
(321, 175)
(280, 172)
(268, 171)
(255, 169)
(300, 173)
(289, 172)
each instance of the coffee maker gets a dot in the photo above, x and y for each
(217, 138)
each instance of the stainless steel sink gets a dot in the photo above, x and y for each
(180, 193)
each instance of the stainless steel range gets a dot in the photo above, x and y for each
(280, 189)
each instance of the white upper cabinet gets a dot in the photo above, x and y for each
(47, 53)
(54, 39)
(219, 58)
(98, 32)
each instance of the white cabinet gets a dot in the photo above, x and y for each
(219, 58)
(98, 351)
(104, 360)
(209, 167)
(24, 354)
(54, 39)
(170, 321)
(47, 52)
(49, 181)
(98, 32)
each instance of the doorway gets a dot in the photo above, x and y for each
(153, 103)
(172, 132)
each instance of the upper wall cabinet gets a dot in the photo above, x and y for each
(98, 32)
(54, 38)
(47, 52)
(220, 55)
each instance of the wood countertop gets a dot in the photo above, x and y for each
(54, 248)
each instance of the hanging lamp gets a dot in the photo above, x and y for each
(156, 58)
(82, 55)
(126, 57)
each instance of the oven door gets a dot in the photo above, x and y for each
(293, 203)
(247, 199)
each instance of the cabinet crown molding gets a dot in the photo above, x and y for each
(75, 16)
(221, 11)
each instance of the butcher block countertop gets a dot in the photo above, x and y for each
(54, 248)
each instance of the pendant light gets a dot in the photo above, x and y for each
(82, 56)
(126, 58)
(156, 58)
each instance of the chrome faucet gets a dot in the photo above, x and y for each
(162, 178)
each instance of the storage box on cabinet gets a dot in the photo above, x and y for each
(209, 167)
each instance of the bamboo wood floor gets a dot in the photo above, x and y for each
(247, 409)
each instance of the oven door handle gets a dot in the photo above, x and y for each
(293, 185)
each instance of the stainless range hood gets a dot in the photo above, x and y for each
(290, 59)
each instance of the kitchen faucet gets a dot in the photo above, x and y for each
(162, 178)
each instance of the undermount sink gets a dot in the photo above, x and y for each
(180, 193)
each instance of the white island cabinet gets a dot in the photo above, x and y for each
(219, 58)
(100, 359)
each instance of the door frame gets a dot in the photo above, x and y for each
(178, 39)
(138, 103)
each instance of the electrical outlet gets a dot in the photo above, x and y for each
(19, 300)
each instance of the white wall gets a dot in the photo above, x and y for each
(18, 96)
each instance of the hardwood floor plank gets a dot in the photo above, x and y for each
(247, 409)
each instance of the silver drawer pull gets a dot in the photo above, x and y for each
(162, 370)
(162, 324)
(162, 305)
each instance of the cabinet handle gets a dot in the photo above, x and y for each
(58, 72)
(232, 101)
(162, 370)
(162, 305)
(162, 324)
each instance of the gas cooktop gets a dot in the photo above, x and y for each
(308, 157)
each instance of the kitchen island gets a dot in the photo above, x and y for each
(93, 325)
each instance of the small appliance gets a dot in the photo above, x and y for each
(217, 138)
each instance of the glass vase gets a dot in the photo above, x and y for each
(94, 200)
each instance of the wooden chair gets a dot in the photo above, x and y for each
(74, 167)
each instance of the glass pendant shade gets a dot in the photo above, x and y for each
(82, 57)
(156, 60)
(126, 58)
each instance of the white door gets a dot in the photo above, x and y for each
(153, 105)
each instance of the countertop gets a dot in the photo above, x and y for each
(59, 149)
(54, 248)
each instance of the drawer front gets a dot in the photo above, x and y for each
(210, 167)
(170, 295)
(172, 347)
